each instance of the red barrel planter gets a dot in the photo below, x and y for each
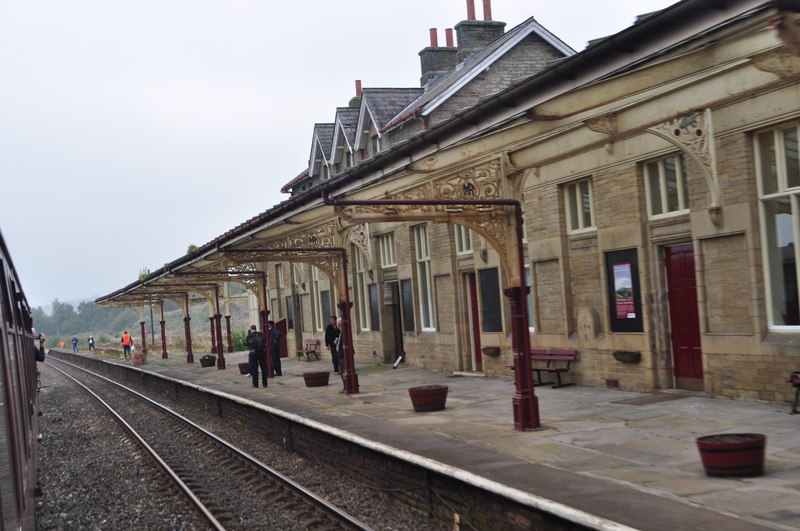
(316, 378)
(244, 368)
(208, 361)
(733, 454)
(428, 397)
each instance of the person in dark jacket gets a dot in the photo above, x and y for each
(258, 355)
(275, 347)
(331, 334)
(340, 344)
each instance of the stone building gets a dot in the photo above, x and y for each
(658, 174)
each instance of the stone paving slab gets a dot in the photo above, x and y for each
(633, 463)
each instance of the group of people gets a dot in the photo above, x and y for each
(258, 358)
(75, 343)
(258, 355)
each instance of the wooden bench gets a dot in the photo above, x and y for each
(310, 348)
(555, 361)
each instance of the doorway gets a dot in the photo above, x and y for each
(395, 330)
(474, 322)
(282, 326)
(687, 356)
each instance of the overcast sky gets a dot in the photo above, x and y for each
(132, 129)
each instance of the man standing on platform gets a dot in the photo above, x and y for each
(126, 344)
(275, 347)
(331, 334)
(258, 356)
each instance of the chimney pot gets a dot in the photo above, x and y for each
(358, 88)
(487, 9)
(448, 35)
(434, 37)
(470, 9)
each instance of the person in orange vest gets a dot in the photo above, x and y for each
(126, 345)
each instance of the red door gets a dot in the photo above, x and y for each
(684, 320)
(282, 327)
(475, 323)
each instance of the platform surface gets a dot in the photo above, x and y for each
(626, 457)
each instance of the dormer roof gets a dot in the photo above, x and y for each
(345, 129)
(380, 105)
(321, 143)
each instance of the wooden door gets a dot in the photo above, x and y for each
(687, 356)
(283, 327)
(475, 323)
(397, 322)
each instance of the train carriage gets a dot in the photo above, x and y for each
(18, 401)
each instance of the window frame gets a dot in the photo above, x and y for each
(489, 285)
(572, 214)
(424, 277)
(528, 276)
(681, 183)
(386, 244)
(783, 192)
(362, 289)
(463, 237)
(316, 297)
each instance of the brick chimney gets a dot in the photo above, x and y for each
(476, 34)
(435, 60)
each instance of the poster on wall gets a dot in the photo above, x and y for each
(623, 291)
(624, 295)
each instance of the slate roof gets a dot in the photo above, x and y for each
(324, 132)
(386, 103)
(347, 117)
(446, 85)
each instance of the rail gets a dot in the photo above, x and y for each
(333, 512)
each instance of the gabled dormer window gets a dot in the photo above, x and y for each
(376, 144)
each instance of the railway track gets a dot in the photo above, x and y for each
(231, 488)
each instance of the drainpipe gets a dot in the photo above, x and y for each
(525, 402)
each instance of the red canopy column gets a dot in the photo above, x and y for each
(163, 340)
(144, 337)
(187, 331)
(228, 332)
(213, 335)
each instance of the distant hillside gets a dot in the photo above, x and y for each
(48, 308)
